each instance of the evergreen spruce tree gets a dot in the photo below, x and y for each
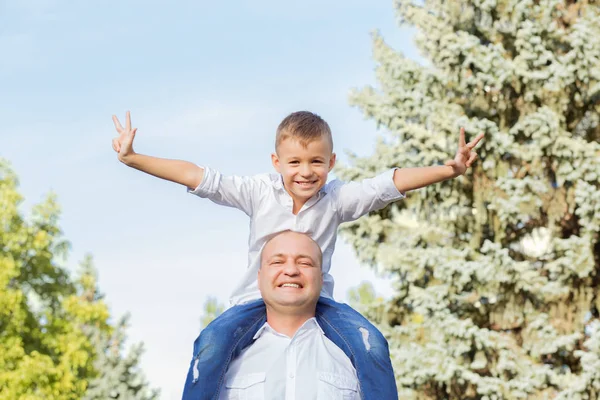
(117, 374)
(496, 272)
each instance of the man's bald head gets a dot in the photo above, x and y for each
(315, 249)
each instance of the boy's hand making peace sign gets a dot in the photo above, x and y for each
(465, 156)
(123, 144)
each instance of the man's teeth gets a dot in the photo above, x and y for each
(294, 285)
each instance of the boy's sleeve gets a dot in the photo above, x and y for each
(230, 191)
(355, 199)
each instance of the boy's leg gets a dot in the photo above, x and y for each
(366, 347)
(219, 343)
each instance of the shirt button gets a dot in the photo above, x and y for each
(291, 375)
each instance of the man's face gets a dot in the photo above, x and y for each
(304, 168)
(290, 277)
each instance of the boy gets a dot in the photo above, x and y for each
(296, 199)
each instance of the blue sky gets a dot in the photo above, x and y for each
(206, 82)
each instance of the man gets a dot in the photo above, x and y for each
(291, 357)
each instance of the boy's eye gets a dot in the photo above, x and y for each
(294, 162)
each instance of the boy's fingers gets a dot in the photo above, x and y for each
(117, 123)
(450, 163)
(128, 120)
(474, 142)
(461, 138)
(471, 159)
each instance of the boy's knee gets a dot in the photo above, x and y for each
(366, 337)
(372, 339)
(375, 346)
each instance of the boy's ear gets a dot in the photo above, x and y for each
(275, 162)
(332, 161)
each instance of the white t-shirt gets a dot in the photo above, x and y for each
(307, 366)
(264, 199)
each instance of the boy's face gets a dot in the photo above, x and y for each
(304, 168)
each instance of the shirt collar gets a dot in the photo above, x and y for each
(310, 324)
(261, 330)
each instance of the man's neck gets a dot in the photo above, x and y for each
(286, 323)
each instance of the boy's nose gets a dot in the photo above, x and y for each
(305, 170)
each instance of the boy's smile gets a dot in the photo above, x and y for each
(304, 168)
(306, 184)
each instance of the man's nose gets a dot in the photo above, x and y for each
(291, 269)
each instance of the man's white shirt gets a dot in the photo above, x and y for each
(307, 366)
(264, 199)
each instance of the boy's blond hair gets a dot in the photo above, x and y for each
(303, 126)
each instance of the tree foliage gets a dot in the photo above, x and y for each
(212, 309)
(496, 273)
(117, 373)
(363, 294)
(47, 351)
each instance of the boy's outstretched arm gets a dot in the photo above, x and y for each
(407, 179)
(182, 172)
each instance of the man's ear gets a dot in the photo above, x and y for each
(275, 162)
(332, 161)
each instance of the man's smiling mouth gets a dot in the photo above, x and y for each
(291, 285)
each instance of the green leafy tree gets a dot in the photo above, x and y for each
(212, 309)
(497, 272)
(365, 300)
(46, 318)
(362, 295)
